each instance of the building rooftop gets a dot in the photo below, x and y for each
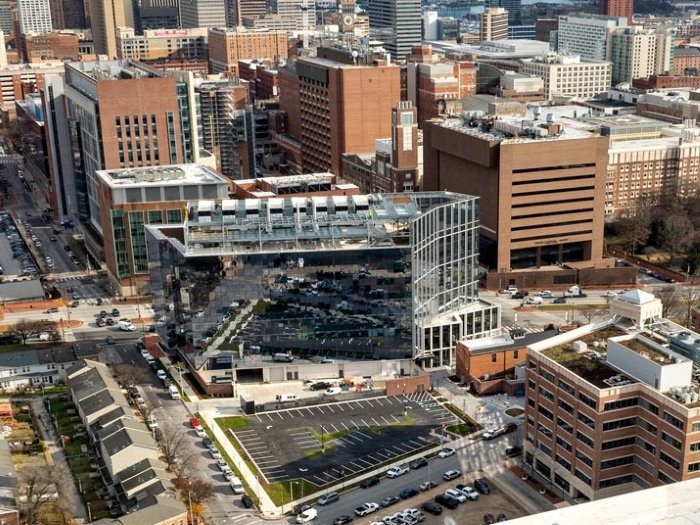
(172, 174)
(114, 70)
(488, 345)
(497, 49)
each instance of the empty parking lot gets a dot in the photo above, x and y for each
(326, 443)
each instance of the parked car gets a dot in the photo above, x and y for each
(115, 312)
(513, 451)
(501, 517)
(307, 515)
(328, 498)
(447, 501)
(408, 492)
(389, 501)
(482, 486)
(469, 492)
(366, 508)
(247, 501)
(446, 452)
(432, 508)
(369, 482)
(342, 520)
(418, 463)
(509, 427)
(451, 474)
(559, 300)
(109, 321)
(100, 322)
(427, 485)
(215, 453)
(161, 374)
(489, 519)
(398, 470)
(74, 304)
(456, 494)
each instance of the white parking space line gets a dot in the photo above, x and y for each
(365, 461)
(304, 433)
(396, 420)
(340, 406)
(370, 403)
(245, 431)
(382, 455)
(329, 407)
(269, 417)
(320, 410)
(271, 463)
(385, 420)
(310, 411)
(320, 479)
(343, 423)
(271, 478)
(299, 412)
(359, 467)
(375, 422)
(363, 434)
(280, 415)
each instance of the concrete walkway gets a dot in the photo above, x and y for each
(69, 492)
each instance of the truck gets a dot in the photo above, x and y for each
(574, 291)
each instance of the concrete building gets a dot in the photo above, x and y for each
(222, 106)
(343, 104)
(436, 85)
(676, 106)
(105, 17)
(686, 60)
(521, 87)
(541, 186)
(544, 28)
(34, 147)
(512, 6)
(202, 13)
(431, 306)
(621, 8)
(67, 14)
(237, 10)
(613, 406)
(493, 24)
(397, 23)
(430, 23)
(34, 17)
(162, 44)
(228, 46)
(590, 36)
(569, 76)
(56, 45)
(633, 53)
(522, 32)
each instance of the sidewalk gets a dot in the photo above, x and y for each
(69, 492)
(527, 497)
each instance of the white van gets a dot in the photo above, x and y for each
(174, 393)
(286, 397)
(237, 485)
(126, 326)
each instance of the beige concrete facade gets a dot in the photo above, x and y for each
(228, 46)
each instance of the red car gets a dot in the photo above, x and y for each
(195, 422)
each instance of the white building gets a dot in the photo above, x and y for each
(587, 36)
(34, 17)
(567, 76)
(430, 25)
(633, 53)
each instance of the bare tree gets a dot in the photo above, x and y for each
(186, 462)
(38, 492)
(27, 328)
(130, 375)
(593, 313)
(668, 297)
(174, 444)
(688, 299)
(677, 233)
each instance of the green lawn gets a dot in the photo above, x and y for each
(233, 423)
(463, 429)
(281, 491)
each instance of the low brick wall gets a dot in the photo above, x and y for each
(408, 385)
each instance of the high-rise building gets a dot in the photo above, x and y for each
(68, 14)
(397, 23)
(119, 115)
(343, 103)
(514, 9)
(237, 10)
(202, 13)
(544, 28)
(7, 18)
(161, 44)
(541, 186)
(34, 17)
(105, 17)
(228, 46)
(612, 406)
(569, 76)
(430, 22)
(157, 14)
(622, 8)
(587, 35)
(493, 24)
(222, 104)
(633, 53)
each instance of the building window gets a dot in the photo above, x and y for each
(566, 387)
(583, 418)
(546, 413)
(546, 394)
(566, 427)
(646, 405)
(667, 438)
(621, 480)
(155, 217)
(547, 375)
(174, 216)
(564, 463)
(616, 462)
(696, 427)
(643, 423)
(494, 358)
(588, 400)
(693, 467)
(515, 354)
(670, 418)
(619, 423)
(695, 447)
(564, 444)
(616, 443)
(583, 438)
(583, 458)
(621, 403)
(672, 462)
(580, 475)
(566, 406)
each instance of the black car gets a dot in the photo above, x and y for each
(342, 520)
(110, 340)
(518, 295)
(447, 501)
(369, 482)
(408, 493)
(432, 508)
(501, 517)
(321, 385)
(247, 501)
(418, 463)
(482, 486)
(207, 442)
(109, 321)
(559, 300)
(513, 451)
(489, 519)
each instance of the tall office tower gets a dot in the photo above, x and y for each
(228, 46)
(120, 114)
(513, 7)
(633, 53)
(397, 159)
(202, 13)
(105, 17)
(158, 14)
(665, 39)
(622, 8)
(397, 23)
(303, 12)
(493, 24)
(7, 18)
(430, 25)
(34, 17)
(221, 106)
(589, 36)
(68, 14)
(343, 104)
(237, 10)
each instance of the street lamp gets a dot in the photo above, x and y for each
(323, 442)
(89, 512)
(291, 492)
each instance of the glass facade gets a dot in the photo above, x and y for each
(378, 276)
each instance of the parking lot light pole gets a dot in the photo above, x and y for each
(323, 441)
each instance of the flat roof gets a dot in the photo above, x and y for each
(672, 504)
(488, 345)
(171, 174)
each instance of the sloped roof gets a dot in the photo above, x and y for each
(636, 296)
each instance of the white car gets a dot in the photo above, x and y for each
(126, 326)
(398, 470)
(307, 515)
(446, 452)
(491, 433)
(161, 374)
(456, 494)
(221, 463)
(200, 432)
(610, 294)
(451, 474)
(366, 508)
(215, 453)
(470, 492)
(145, 353)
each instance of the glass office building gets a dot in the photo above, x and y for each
(363, 277)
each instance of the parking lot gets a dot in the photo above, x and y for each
(357, 436)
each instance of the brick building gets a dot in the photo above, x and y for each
(56, 45)
(686, 61)
(613, 406)
(666, 82)
(228, 46)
